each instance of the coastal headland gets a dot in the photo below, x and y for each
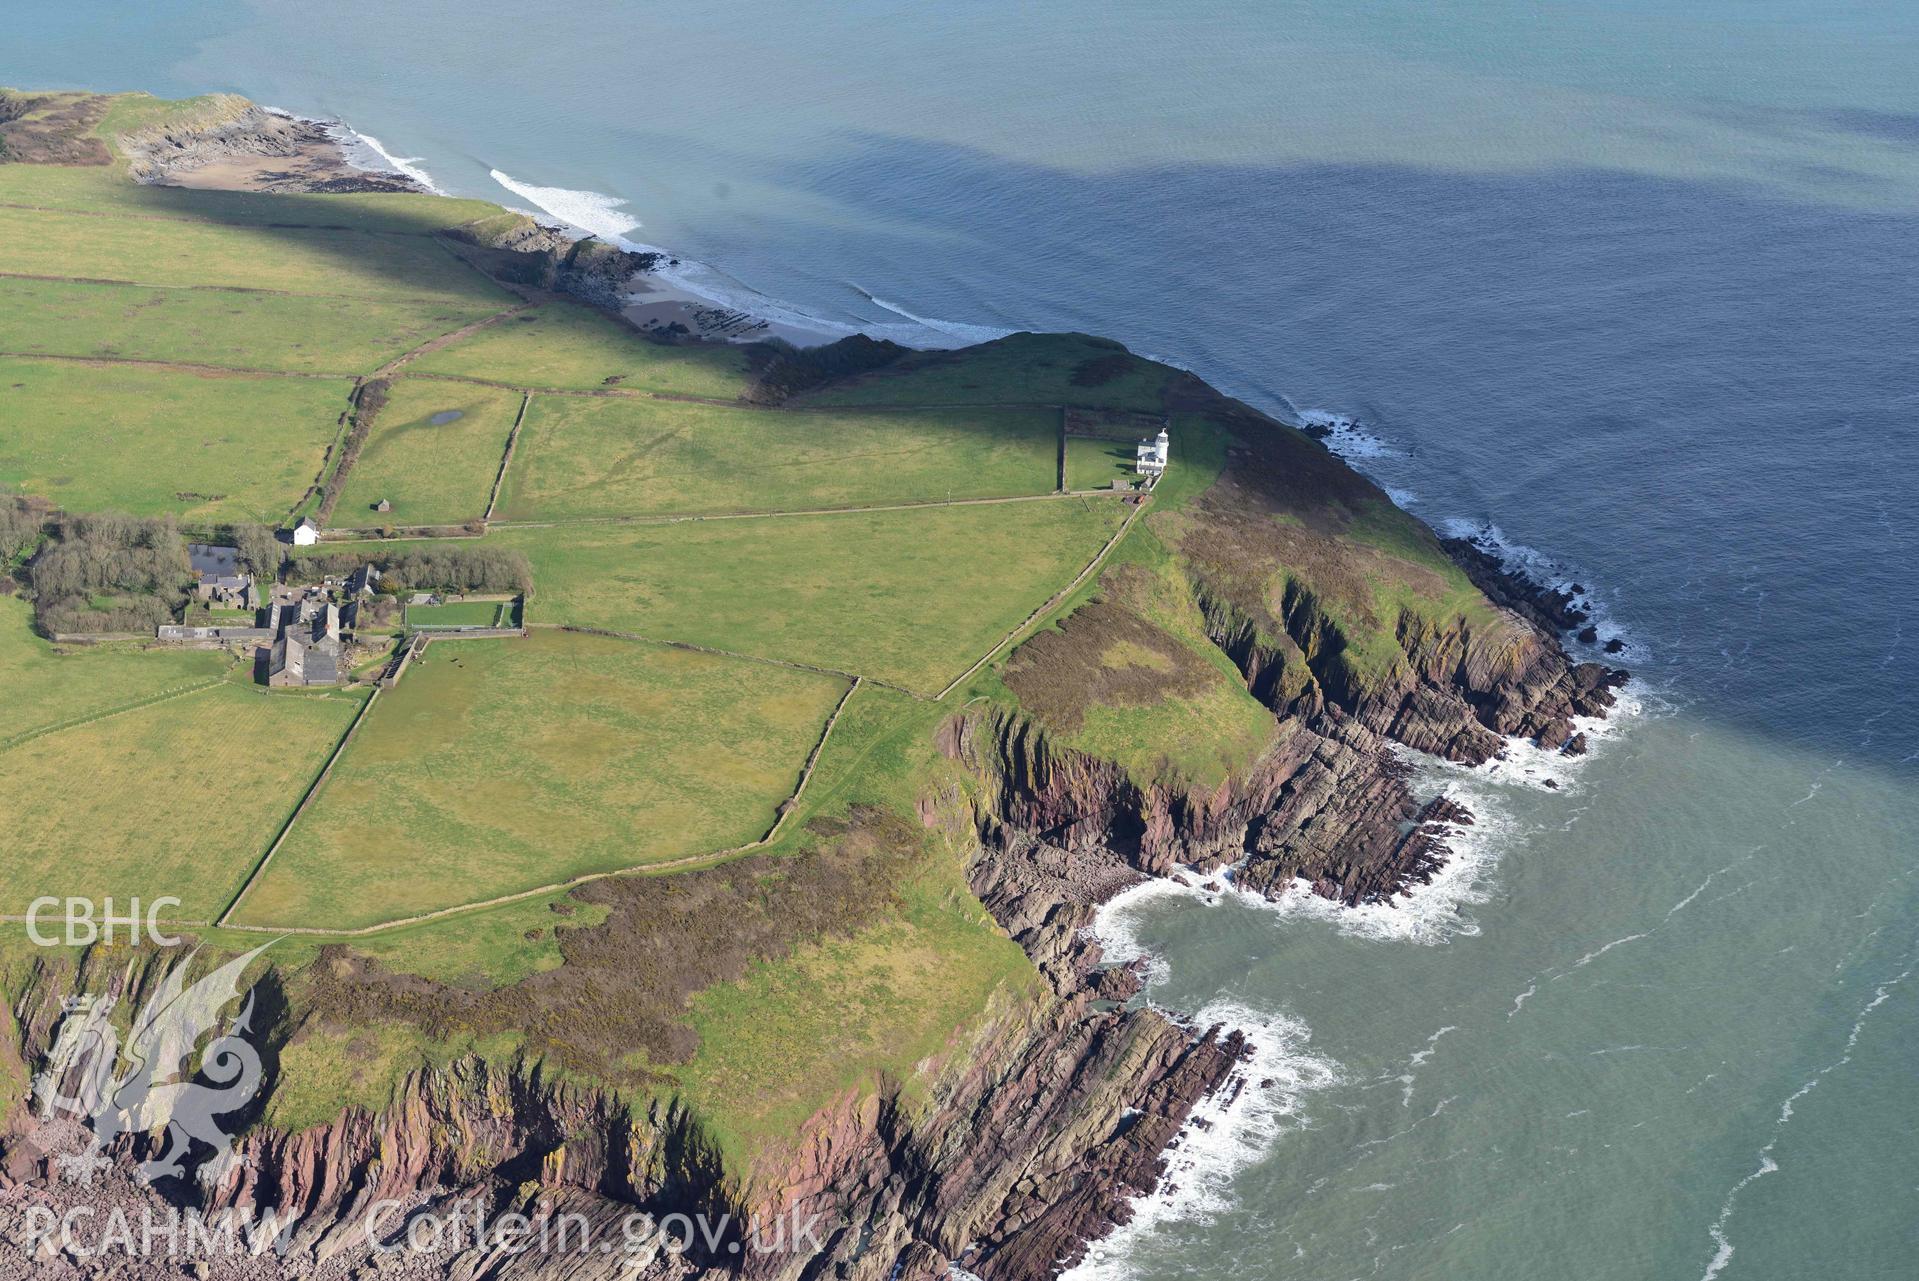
(744, 878)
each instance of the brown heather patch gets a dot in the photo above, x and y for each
(1103, 654)
(51, 129)
(626, 983)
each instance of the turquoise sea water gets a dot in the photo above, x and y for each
(1634, 281)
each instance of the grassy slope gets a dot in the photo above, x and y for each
(1096, 464)
(135, 439)
(611, 457)
(1143, 686)
(305, 260)
(497, 766)
(179, 797)
(219, 327)
(1046, 369)
(103, 191)
(562, 344)
(909, 596)
(433, 475)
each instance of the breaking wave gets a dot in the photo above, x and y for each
(962, 333)
(1227, 1132)
(592, 212)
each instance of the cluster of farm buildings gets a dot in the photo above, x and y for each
(302, 628)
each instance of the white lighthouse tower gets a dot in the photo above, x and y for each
(1151, 460)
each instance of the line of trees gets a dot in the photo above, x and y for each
(458, 566)
(105, 572)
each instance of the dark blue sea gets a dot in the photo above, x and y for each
(1628, 289)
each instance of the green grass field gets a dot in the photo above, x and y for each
(497, 766)
(911, 596)
(466, 613)
(562, 344)
(598, 456)
(218, 327)
(1043, 369)
(145, 441)
(107, 191)
(433, 474)
(179, 797)
(303, 260)
(44, 688)
(1096, 464)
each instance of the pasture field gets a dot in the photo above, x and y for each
(43, 688)
(433, 473)
(501, 765)
(465, 613)
(180, 797)
(604, 456)
(1039, 369)
(566, 345)
(1096, 464)
(107, 191)
(305, 260)
(911, 596)
(218, 327)
(145, 440)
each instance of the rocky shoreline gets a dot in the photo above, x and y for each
(237, 145)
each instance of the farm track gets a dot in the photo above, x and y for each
(432, 345)
(1060, 596)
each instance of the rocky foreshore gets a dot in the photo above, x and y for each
(233, 144)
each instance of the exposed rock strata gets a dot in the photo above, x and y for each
(258, 150)
(1025, 1145)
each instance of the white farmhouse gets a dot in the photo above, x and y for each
(1152, 454)
(306, 533)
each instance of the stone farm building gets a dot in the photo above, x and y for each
(218, 578)
(307, 649)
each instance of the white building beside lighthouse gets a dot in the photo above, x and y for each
(1151, 460)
